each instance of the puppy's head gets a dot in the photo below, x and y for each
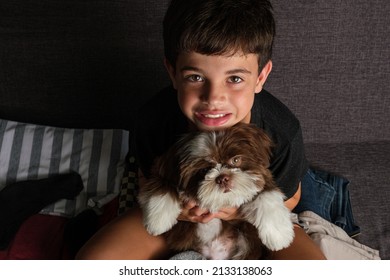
(225, 168)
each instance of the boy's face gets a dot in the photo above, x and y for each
(217, 91)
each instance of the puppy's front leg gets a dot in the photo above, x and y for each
(272, 219)
(160, 212)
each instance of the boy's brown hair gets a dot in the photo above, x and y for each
(219, 27)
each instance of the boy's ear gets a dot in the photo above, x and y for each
(263, 76)
(171, 71)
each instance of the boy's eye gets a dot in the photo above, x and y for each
(194, 78)
(235, 79)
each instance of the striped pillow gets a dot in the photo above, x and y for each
(29, 151)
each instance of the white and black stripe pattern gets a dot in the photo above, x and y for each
(129, 187)
(30, 152)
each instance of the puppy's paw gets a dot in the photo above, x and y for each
(160, 213)
(272, 219)
(277, 233)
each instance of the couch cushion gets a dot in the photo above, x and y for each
(367, 167)
(40, 237)
(30, 152)
(47, 237)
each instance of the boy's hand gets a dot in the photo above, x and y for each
(192, 213)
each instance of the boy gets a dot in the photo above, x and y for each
(218, 56)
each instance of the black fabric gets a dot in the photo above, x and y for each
(80, 229)
(288, 162)
(162, 123)
(20, 200)
(159, 126)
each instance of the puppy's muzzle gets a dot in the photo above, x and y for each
(224, 182)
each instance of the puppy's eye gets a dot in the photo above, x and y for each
(204, 171)
(235, 161)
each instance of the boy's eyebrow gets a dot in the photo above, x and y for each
(229, 72)
(238, 71)
(189, 68)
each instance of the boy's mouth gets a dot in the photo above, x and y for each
(214, 116)
(213, 119)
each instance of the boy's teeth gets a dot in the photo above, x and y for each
(214, 116)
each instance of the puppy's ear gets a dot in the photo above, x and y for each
(263, 142)
(166, 168)
(158, 197)
(258, 143)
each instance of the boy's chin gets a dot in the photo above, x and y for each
(200, 126)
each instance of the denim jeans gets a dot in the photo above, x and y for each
(327, 195)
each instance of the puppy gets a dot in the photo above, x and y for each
(219, 169)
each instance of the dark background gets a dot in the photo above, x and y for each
(92, 63)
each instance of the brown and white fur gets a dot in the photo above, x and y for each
(227, 168)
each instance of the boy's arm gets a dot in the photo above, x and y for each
(293, 201)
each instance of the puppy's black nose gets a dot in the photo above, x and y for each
(223, 181)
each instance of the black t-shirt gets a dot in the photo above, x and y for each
(161, 123)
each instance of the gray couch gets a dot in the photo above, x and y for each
(93, 63)
(332, 68)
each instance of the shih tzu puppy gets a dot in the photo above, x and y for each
(219, 169)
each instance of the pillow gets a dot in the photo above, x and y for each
(29, 151)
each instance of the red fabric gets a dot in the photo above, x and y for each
(110, 212)
(40, 237)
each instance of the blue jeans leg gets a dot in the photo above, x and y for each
(327, 195)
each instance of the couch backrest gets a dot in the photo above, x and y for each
(79, 63)
(332, 67)
(92, 63)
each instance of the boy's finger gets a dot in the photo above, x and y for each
(189, 204)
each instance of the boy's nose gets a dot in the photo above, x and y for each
(213, 94)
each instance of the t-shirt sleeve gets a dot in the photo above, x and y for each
(289, 164)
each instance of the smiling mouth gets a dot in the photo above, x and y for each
(214, 116)
(213, 119)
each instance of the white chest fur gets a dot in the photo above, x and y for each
(217, 246)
